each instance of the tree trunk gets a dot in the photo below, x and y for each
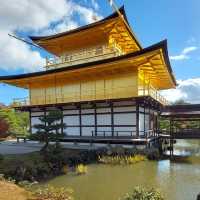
(46, 140)
(57, 141)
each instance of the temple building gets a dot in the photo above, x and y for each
(106, 84)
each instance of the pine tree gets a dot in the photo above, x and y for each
(50, 128)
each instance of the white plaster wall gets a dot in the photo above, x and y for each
(88, 120)
(71, 120)
(141, 109)
(125, 119)
(104, 119)
(122, 131)
(147, 122)
(141, 123)
(87, 131)
(72, 131)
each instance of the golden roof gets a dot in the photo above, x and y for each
(153, 61)
(111, 27)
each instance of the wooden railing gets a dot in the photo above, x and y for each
(20, 102)
(104, 94)
(83, 56)
(142, 134)
(184, 133)
(151, 91)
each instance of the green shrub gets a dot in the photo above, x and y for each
(20, 170)
(1, 157)
(82, 157)
(52, 193)
(143, 194)
(55, 157)
(30, 167)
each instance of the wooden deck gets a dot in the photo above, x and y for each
(110, 140)
(182, 134)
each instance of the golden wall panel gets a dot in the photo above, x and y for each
(86, 89)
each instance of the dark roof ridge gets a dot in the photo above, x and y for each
(113, 15)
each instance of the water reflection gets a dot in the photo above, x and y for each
(178, 179)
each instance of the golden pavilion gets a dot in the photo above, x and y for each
(106, 84)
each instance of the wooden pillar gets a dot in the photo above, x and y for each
(149, 111)
(137, 119)
(171, 138)
(62, 129)
(80, 120)
(112, 119)
(45, 114)
(95, 119)
(144, 120)
(170, 133)
(30, 122)
(156, 125)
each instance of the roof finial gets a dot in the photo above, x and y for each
(25, 41)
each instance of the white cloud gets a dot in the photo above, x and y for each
(95, 4)
(87, 14)
(187, 90)
(188, 50)
(17, 55)
(184, 54)
(179, 57)
(38, 17)
(32, 15)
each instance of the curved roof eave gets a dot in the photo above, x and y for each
(166, 57)
(161, 45)
(88, 26)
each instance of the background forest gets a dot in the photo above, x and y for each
(13, 122)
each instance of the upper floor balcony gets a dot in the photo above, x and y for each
(52, 99)
(83, 56)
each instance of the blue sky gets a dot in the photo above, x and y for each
(152, 21)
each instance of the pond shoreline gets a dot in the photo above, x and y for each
(174, 177)
(177, 178)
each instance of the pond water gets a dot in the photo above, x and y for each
(177, 180)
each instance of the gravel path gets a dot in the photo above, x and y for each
(12, 147)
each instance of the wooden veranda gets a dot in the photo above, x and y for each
(184, 122)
